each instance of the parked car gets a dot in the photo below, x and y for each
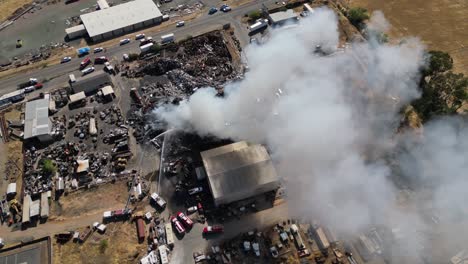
(100, 60)
(191, 209)
(256, 248)
(274, 252)
(124, 41)
(195, 190)
(126, 57)
(97, 50)
(212, 10)
(225, 8)
(85, 63)
(214, 229)
(140, 36)
(65, 59)
(187, 221)
(180, 23)
(2, 242)
(180, 229)
(87, 70)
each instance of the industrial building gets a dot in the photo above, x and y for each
(91, 83)
(238, 171)
(36, 121)
(109, 22)
(282, 17)
(35, 251)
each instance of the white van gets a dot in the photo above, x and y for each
(71, 78)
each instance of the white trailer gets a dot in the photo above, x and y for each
(261, 24)
(92, 127)
(146, 47)
(169, 234)
(167, 38)
(163, 254)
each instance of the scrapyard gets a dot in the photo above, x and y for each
(260, 132)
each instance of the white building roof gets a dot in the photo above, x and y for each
(76, 97)
(102, 4)
(119, 16)
(282, 16)
(107, 90)
(36, 121)
(238, 171)
(74, 29)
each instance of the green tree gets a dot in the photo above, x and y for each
(133, 56)
(357, 15)
(48, 167)
(438, 62)
(443, 93)
(155, 48)
(254, 15)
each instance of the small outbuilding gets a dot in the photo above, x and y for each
(282, 17)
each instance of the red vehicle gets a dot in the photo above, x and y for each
(85, 63)
(215, 229)
(38, 86)
(100, 60)
(187, 221)
(140, 229)
(200, 208)
(177, 225)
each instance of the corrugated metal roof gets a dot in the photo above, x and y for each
(77, 97)
(75, 29)
(36, 121)
(239, 171)
(107, 90)
(102, 4)
(282, 16)
(119, 16)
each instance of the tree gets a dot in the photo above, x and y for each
(439, 62)
(48, 167)
(155, 48)
(443, 94)
(254, 15)
(133, 56)
(357, 15)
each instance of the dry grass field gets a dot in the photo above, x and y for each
(8, 7)
(441, 24)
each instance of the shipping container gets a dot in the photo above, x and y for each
(44, 205)
(259, 25)
(146, 47)
(92, 127)
(140, 229)
(163, 254)
(169, 234)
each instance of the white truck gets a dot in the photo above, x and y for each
(158, 200)
(259, 25)
(146, 47)
(166, 39)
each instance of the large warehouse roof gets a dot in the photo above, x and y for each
(36, 120)
(119, 16)
(238, 171)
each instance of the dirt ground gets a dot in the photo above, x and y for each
(441, 24)
(8, 7)
(91, 201)
(122, 247)
(11, 164)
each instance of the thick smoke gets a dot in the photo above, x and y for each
(329, 121)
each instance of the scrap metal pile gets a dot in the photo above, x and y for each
(203, 61)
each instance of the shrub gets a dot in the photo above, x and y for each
(357, 15)
(254, 15)
(103, 245)
(133, 56)
(48, 167)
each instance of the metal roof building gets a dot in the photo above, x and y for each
(36, 120)
(239, 171)
(91, 83)
(282, 17)
(120, 19)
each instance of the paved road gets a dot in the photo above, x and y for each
(205, 23)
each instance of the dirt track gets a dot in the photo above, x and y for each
(441, 24)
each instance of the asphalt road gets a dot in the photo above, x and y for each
(59, 73)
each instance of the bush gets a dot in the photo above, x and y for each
(155, 48)
(103, 245)
(357, 15)
(132, 56)
(48, 167)
(254, 15)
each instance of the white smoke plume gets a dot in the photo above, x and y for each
(328, 120)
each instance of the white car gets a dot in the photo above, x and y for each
(2, 243)
(65, 59)
(97, 50)
(180, 23)
(195, 190)
(87, 70)
(126, 57)
(140, 36)
(124, 41)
